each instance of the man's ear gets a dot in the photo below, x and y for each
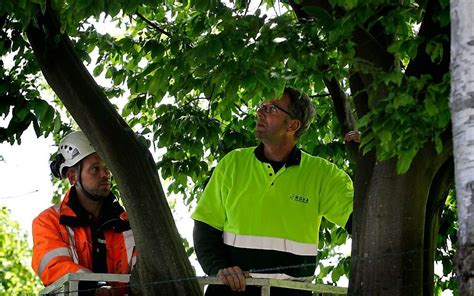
(294, 126)
(71, 174)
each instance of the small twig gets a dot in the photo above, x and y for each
(247, 8)
(194, 100)
(320, 96)
(155, 26)
(210, 98)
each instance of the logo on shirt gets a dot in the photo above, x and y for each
(298, 198)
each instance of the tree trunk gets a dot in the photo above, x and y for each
(388, 247)
(161, 257)
(462, 114)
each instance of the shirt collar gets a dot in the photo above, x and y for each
(111, 211)
(293, 159)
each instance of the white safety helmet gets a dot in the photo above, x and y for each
(72, 149)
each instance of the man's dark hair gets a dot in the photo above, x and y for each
(300, 108)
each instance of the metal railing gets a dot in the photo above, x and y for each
(69, 284)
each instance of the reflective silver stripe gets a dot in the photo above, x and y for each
(50, 256)
(56, 208)
(280, 276)
(72, 245)
(83, 270)
(130, 247)
(269, 243)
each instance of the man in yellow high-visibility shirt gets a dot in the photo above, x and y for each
(263, 205)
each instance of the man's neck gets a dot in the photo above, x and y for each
(278, 152)
(92, 207)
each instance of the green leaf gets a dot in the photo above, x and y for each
(112, 7)
(324, 271)
(403, 100)
(435, 51)
(350, 4)
(201, 5)
(231, 90)
(337, 272)
(40, 107)
(57, 124)
(22, 4)
(264, 80)
(395, 77)
(98, 70)
(198, 25)
(20, 113)
(47, 120)
(158, 82)
(431, 107)
(404, 161)
(339, 236)
(82, 4)
(110, 72)
(438, 145)
(364, 121)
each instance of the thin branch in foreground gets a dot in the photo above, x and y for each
(319, 96)
(153, 25)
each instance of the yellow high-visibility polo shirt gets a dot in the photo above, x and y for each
(258, 209)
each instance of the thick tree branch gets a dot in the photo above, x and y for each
(130, 162)
(341, 105)
(343, 112)
(359, 93)
(371, 46)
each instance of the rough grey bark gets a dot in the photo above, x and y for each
(161, 256)
(462, 114)
(388, 249)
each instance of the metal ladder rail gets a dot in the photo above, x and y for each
(69, 284)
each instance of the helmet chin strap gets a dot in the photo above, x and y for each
(80, 187)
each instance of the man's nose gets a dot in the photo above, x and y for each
(104, 172)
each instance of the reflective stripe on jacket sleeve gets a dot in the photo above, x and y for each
(47, 257)
(53, 254)
(130, 247)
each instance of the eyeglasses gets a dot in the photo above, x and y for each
(271, 108)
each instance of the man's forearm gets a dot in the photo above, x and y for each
(210, 248)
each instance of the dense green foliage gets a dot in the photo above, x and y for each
(16, 275)
(193, 72)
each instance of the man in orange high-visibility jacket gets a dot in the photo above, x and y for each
(89, 231)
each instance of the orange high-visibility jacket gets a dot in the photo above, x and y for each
(62, 241)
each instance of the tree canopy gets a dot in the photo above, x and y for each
(193, 72)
